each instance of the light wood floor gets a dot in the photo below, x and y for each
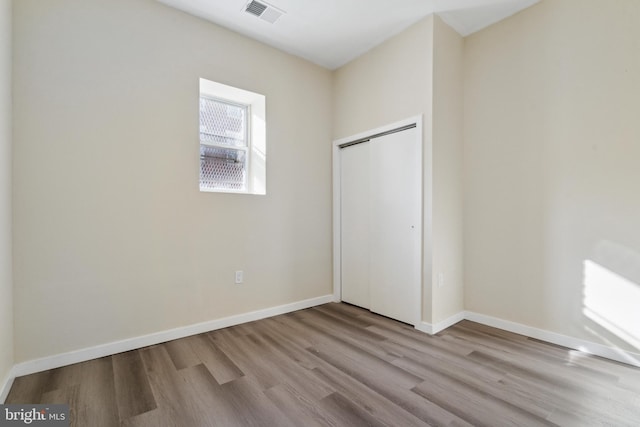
(339, 365)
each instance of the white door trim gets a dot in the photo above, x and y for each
(337, 208)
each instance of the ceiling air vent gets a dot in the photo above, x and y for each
(263, 11)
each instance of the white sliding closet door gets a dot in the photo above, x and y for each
(355, 203)
(381, 225)
(396, 226)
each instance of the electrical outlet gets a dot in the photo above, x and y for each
(239, 276)
(440, 280)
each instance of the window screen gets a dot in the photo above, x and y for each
(223, 145)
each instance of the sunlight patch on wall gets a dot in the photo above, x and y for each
(612, 301)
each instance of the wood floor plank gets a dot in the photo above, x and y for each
(284, 340)
(482, 385)
(560, 382)
(298, 409)
(181, 353)
(67, 376)
(29, 388)
(346, 317)
(212, 399)
(399, 407)
(87, 387)
(296, 328)
(296, 377)
(133, 391)
(252, 407)
(339, 365)
(68, 396)
(157, 418)
(419, 343)
(473, 406)
(96, 403)
(347, 413)
(364, 339)
(219, 364)
(446, 358)
(597, 409)
(238, 349)
(175, 398)
(366, 368)
(395, 385)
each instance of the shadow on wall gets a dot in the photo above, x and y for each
(611, 296)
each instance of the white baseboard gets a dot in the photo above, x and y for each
(585, 346)
(58, 360)
(6, 385)
(432, 329)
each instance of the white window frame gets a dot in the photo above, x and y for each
(256, 158)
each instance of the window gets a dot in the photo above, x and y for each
(223, 145)
(232, 139)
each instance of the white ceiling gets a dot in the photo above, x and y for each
(331, 33)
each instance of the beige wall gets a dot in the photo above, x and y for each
(395, 81)
(448, 299)
(6, 285)
(380, 87)
(112, 237)
(552, 142)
